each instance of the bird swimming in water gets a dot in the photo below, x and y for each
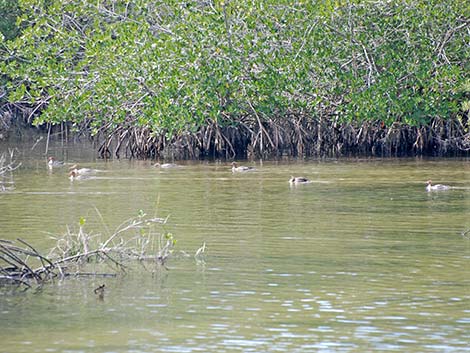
(165, 165)
(242, 168)
(73, 175)
(298, 180)
(437, 187)
(82, 171)
(54, 163)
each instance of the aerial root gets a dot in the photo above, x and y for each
(256, 135)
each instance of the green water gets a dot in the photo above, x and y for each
(363, 259)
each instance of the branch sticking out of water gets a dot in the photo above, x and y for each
(465, 234)
(7, 165)
(137, 239)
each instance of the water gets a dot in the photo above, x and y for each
(363, 259)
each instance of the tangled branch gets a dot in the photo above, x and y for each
(135, 239)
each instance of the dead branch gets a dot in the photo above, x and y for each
(74, 251)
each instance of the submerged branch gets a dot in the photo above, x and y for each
(75, 252)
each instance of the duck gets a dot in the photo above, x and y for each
(165, 165)
(81, 171)
(242, 168)
(436, 187)
(52, 162)
(298, 180)
(73, 175)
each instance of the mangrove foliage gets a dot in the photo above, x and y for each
(226, 78)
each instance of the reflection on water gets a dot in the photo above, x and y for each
(362, 259)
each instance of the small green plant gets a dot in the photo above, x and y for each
(140, 238)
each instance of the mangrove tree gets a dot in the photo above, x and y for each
(226, 78)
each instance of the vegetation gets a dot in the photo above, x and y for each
(7, 166)
(235, 77)
(140, 238)
(10, 11)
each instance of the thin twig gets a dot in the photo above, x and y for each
(464, 234)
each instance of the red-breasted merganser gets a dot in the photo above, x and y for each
(242, 168)
(436, 187)
(73, 175)
(81, 171)
(165, 165)
(54, 163)
(298, 180)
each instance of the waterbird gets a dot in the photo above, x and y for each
(73, 175)
(99, 291)
(165, 165)
(242, 168)
(82, 171)
(54, 163)
(436, 187)
(298, 180)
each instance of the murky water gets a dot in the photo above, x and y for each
(363, 259)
